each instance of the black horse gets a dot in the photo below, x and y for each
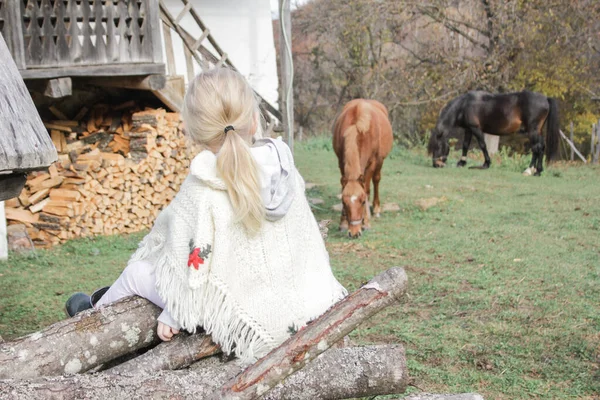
(497, 114)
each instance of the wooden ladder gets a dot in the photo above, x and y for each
(196, 50)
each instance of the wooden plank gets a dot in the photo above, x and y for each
(58, 114)
(14, 36)
(147, 82)
(3, 234)
(58, 127)
(286, 70)
(168, 42)
(189, 65)
(172, 94)
(183, 12)
(81, 114)
(124, 69)
(24, 143)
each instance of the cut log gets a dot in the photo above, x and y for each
(182, 351)
(339, 373)
(58, 88)
(83, 342)
(317, 337)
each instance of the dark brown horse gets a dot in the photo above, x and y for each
(497, 114)
(362, 138)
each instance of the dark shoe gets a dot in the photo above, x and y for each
(79, 302)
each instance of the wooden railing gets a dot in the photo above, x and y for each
(57, 37)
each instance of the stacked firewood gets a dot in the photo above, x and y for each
(117, 168)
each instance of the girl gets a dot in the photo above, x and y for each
(238, 251)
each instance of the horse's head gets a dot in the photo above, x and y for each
(354, 200)
(438, 147)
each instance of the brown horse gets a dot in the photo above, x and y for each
(362, 138)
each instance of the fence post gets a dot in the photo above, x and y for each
(572, 151)
(592, 142)
(597, 154)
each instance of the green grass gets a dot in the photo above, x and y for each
(504, 274)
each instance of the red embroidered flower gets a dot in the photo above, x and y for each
(195, 259)
(198, 255)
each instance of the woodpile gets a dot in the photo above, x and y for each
(106, 341)
(118, 167)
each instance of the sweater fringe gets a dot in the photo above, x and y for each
(209, 307)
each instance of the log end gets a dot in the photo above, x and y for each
(393, 281)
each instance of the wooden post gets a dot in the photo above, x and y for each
(3, 238)
(592, 142)
(286, 70)
(572, 151)
(597, 153)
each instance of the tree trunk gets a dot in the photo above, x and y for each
(182, 351)
(83, 342)
(339, 373)
(317, 337)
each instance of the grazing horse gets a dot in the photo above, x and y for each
(497, 114)
(362, 138)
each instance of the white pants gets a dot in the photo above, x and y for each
(138, 279)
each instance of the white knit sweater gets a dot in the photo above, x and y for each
(248, 292)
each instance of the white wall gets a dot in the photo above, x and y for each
(243, 29)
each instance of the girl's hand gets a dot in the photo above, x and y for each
(165, 332)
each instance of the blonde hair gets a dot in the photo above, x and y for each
(215, 100)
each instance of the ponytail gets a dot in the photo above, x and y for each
(221, 113)
(240, 174)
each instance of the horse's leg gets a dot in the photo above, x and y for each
(479, 136)
(376, 179)
(537, 154)
(367, 211)
(465, 149)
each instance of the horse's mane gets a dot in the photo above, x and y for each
(361, 124)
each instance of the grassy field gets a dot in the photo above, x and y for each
(504, 273)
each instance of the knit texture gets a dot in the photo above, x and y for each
(249, 292)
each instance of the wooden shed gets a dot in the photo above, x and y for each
(24, 142)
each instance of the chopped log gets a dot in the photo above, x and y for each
(339, 373)
(317, 337)
(182, 351)
(15, 214)
(83, 342)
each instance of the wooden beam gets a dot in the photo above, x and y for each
(286, 71)
(148, 82)
(173, 92)
(125, 69)
(171, 70)
(58, 88)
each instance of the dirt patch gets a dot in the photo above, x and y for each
(425, 204)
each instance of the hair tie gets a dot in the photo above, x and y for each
(229, 128)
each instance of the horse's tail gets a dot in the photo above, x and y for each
(363, 117)
(552, 130)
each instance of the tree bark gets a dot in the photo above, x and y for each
(317, 337)
(182, 351)
(339, 373)
(83, 342)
